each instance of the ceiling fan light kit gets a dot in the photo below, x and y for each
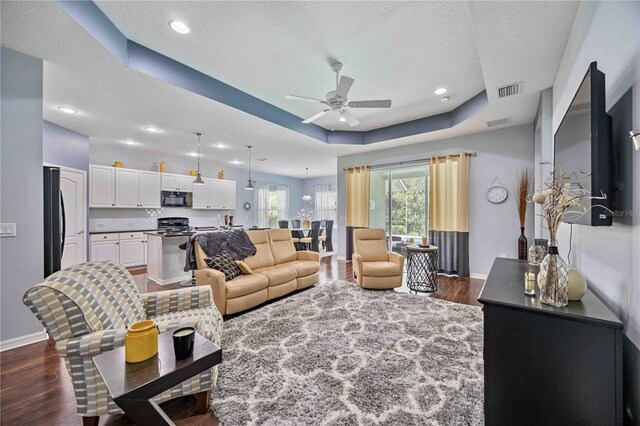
(337, 100)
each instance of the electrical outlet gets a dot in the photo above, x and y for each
(7, 229)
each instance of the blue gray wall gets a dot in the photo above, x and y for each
(64, 147)
(493, 229)
(21, 201)
(609, 257)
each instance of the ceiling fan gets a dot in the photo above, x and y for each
(337, 100)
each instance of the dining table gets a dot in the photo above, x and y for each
(305, 231)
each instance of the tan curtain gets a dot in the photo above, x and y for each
(449, 212)
(358, 196)
(449, 193)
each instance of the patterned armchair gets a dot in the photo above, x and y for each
(86, 308)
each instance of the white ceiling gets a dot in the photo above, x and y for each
(397, 50)
(402, 51)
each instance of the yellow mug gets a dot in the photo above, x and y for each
(192, 172)
(141, 341)
(118, 164)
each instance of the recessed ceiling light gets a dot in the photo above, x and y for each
(131, 142)
(220, 145)
(440, 91)
(444, 100)
(152, 129)
(342, 119)
(193, 154)
(235, 162)
(68, 110)
(179, 27)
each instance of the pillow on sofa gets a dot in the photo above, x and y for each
(224, 263)
(244, 268)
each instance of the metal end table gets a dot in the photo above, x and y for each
(422, 269)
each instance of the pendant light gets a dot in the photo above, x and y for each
(198, 180)
(249, 186)
(306, 197)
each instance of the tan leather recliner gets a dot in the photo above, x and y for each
(373, 266)
(277, 269)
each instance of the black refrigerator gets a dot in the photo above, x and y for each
(54, 221)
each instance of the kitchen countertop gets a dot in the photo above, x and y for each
(121, 231)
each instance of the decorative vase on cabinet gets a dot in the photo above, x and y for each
(522, 245)
(553, 279)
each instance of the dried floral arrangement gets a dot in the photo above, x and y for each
(305, 214)
(563, 197)
(522, 187)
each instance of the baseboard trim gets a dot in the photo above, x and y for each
(341, 257)
(478, 276)
(28, 339)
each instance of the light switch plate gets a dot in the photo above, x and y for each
(7, 229)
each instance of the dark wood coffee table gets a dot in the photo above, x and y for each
(133, 385)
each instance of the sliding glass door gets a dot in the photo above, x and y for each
(399, 204)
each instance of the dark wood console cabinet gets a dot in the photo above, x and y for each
(545, 365)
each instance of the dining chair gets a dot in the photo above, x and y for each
(295, 223)
(283, 223)
(313, 238)
(326, 239)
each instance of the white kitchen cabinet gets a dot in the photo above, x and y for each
(181, 183)
(228, 195)
(215, 194)
(126, 248)
(137, 189)
(149, 190)
(102, 186)
(105, 247)
(201, 195)
(127, 188)
(132, 248)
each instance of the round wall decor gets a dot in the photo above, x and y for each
(497, 193)
(246, 205)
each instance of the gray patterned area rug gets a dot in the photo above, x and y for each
(340, 355)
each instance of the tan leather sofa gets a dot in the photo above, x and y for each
(277, 269)
(373, 266)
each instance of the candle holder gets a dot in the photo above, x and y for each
(530, 284)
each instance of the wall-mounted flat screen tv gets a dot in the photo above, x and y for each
(582, 146)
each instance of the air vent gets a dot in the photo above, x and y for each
(510, 89)
(500, 122)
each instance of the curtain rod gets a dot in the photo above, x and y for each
(422, 160)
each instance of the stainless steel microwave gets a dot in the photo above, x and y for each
(176, 199)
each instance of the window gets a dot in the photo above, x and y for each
(399, 203)
(326, 202)
(272, 204)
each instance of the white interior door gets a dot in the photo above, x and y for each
(72, 185)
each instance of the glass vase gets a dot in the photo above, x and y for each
(553, 279)
(522, 245)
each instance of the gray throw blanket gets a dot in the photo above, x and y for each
(236, 242)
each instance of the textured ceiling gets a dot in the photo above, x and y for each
(402, 51)
(393, 49)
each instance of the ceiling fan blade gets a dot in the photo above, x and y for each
(353, 121)
(344, 85)
(304, 98)
(386, 103)
(315, 116)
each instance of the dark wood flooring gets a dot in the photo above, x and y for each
(35, 388)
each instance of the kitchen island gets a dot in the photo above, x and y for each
(165, 259)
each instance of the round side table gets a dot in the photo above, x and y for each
(422, 269)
